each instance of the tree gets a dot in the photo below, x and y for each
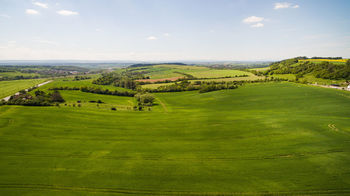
(56, 97)
(145, 99)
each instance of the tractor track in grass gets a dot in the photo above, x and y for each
(162, 104)
(163, 192)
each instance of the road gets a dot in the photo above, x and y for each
(8, 97)
(329, 86)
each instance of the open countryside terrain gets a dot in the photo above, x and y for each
(278, 138)
(8, 88)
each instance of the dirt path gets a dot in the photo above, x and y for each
(163, 105)
(335, 87)
(8, 97)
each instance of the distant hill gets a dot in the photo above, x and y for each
(151, 64)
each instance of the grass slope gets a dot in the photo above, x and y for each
(280, 138)
(8, 88)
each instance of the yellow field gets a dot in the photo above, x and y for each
(320, 60)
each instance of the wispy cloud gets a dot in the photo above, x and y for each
(152, 38)
(48, 42)
(284, 5)
(253, 19)
(5, 16)
(166, 34)
(43, 5)
(257, 25)
(32, 12)
(67, 13)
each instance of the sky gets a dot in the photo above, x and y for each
(169, 30)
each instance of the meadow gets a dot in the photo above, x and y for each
(11, 87)
(260, 139)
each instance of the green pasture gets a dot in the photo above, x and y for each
(266, 138)
(11, 87)
(250, 77)
(16, 73)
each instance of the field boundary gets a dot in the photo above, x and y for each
(164, 192)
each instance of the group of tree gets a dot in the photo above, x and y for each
(77, 78)
(97, 90)
(40, 98)
(197, 85)
(145, 99)
(125, 79)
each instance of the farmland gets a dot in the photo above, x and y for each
(168, 71)
(260, 138)
(8, 88)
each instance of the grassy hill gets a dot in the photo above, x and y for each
(8, 88)
(323, 71)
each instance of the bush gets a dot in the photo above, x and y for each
(145, 99)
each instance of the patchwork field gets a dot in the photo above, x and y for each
(171, 71)
(268, 138)
(11, 87)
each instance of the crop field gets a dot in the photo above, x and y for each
(11, 87)
(265, 138)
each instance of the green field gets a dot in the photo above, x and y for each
(267, 138)
(250, 77)
(11, 87)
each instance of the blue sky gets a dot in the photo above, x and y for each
(173, 29)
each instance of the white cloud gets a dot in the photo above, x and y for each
(253, 19)
(166, 34)
(152, 38)
(32, 12)
(283, 5)
(257, 25)
(43, 5)
(98, 30)
(67, 13)
(5, 16)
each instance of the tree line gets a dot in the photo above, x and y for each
(40, 98)
(97, 90)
